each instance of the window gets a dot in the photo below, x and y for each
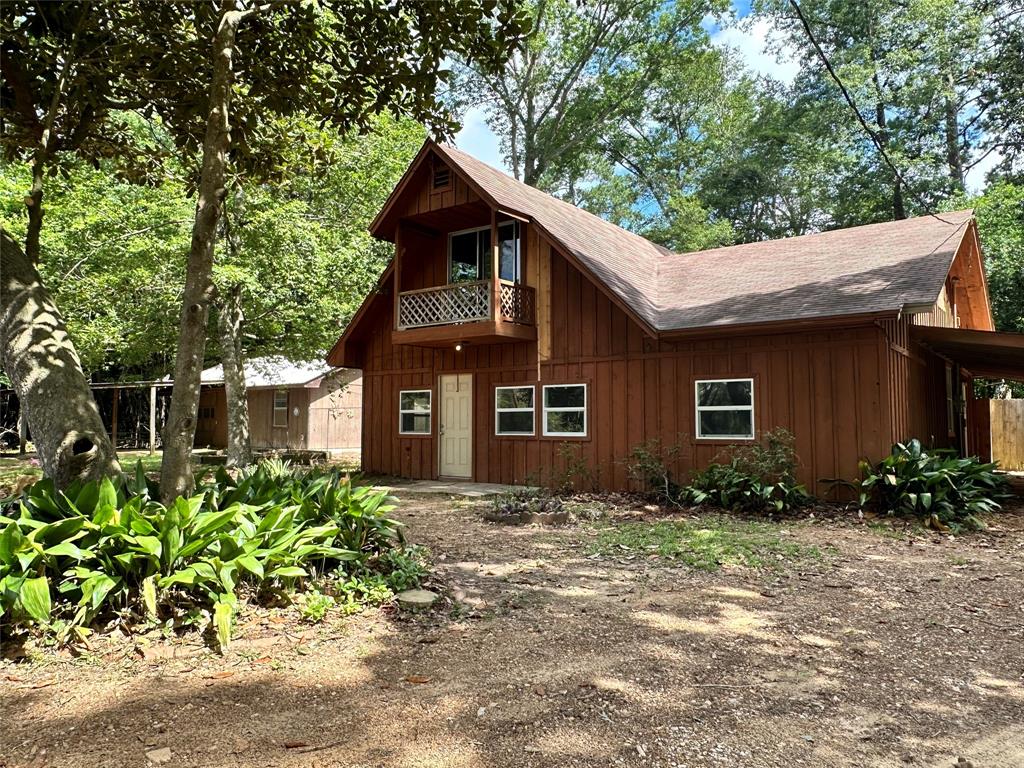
(469, 255)
(414, 411)
(206, 413)
(565, 410)
(509, 252)
(513, 410)
(281, 408)
(725, 408)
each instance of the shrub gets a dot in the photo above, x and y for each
(759, 477)
(935, 485)
(110, 549)
(648, 464)
(315, 605)
(525, 500)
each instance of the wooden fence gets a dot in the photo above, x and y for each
(1007, 420)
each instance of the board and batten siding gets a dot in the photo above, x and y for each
(830, 388)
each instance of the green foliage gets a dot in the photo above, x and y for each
(648, 464)
(757, 478)
(519, 501)
(936, 486)
(314, 606)
(100, 550)
(706, 544)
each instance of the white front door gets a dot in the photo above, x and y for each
(456, 427)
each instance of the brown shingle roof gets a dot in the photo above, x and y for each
(873, 268)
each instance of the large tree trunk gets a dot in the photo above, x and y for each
(953, 157)
(44, 369)
(229, 331)
(179, 434)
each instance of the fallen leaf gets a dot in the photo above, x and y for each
(295, 744)
(264, 660)
(417, 679)
(220, 675)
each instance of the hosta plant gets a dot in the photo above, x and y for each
(109, 549)
(936, 485)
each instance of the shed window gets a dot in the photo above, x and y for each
(470, 255)
(281, 408)
(414, 411)
(725, 408)
(513, 410)
(565, 410)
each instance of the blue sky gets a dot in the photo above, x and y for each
(761, 51)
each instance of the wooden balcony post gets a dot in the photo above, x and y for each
(496, 314)
(398, 272)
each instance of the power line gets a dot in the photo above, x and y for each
(879, 145)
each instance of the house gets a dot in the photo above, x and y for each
(516, 338)
(296, 406)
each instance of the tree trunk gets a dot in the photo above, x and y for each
(44, 369)
(229, 331)
(953, 156)
(179, 434)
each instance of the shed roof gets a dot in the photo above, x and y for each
(273, 371)
(868, 269)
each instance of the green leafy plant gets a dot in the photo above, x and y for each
(648, 466)
(935, 485)
(110, 549)
(315, 605)
(756, 478)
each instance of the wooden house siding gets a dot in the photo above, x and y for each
(826, 387)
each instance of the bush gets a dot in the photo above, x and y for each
(525, 500)
(934, 485)
(109, 549)
(755, 478)
(761, 477)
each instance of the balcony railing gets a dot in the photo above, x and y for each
(460, 303)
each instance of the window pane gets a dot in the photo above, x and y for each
(416, 422)
(484, 254)
(519, 397)
(516, 422)
(723, 393)
(565, 397)
(415, 401)
(464, 257)
(565, 421)
(726, 423)
(280, 399)
(508, 243)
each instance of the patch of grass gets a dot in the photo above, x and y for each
(886, 531)
(706, 544)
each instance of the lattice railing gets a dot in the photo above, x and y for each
(517, 303)
(445, 305)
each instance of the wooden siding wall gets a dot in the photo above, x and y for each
(418, 197)
(917, 385)
(828, 388)
(336, 415)
(261, 419)
(1007, 419)
(212, 432)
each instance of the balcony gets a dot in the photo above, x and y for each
(466, 312)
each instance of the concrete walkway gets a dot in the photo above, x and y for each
(452, 487)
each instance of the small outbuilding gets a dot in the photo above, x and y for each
(295, 406)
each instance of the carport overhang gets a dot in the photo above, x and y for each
(985, 354)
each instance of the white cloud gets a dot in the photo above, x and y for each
(763, 52)
(478, 140)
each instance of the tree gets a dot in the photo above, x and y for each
(584, 67)
(343, 65)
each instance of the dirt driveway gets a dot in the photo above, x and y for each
(883, 651)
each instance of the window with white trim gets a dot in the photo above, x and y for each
(513, 410)
(469, 255)
(565, 410)
(414, 411)
(281, 408)
(725, 409)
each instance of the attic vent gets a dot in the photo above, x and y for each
(442, 177)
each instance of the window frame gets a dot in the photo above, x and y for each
(429, 412)
(480, 263)
(584, 408)
(278, 408)
(698, 408)
(517, 238)
(531, 410)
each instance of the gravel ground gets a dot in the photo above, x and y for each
(891, 650)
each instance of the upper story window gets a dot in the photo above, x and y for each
(442, 178)
(469, 255)
(510, 260)
(725, 409)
